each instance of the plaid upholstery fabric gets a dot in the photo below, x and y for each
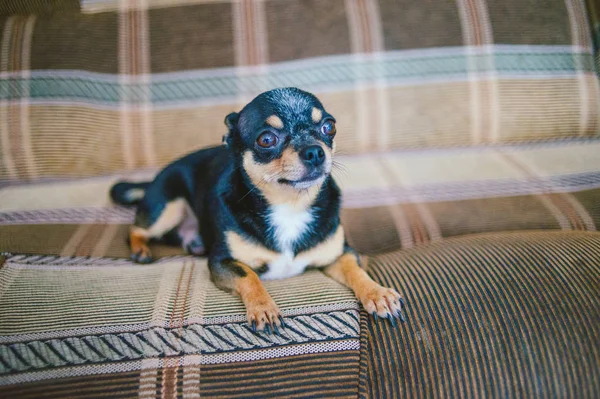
(131, 84)
(476, 117)
(390, 201)
(491, 316)
(43, 7)
(164, 330)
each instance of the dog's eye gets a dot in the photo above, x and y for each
(328, 128)
(266, 140)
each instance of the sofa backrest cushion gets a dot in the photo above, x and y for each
(117, 87)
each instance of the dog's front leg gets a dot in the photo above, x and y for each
(236, 277)
(377, 300)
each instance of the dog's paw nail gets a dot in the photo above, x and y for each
(393, 320)
(401, 316)
(253, 325)
(141, 257)
(375, 317)
(282, 321)
(276, 329)
(268, 329)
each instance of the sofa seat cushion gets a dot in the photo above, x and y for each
(72, 327)
(489, 315)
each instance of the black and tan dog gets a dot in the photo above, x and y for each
(264, 205)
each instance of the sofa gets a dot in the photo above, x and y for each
(469, 159)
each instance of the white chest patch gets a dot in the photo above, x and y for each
(288, 226)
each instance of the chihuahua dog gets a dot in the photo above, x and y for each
(264, 206)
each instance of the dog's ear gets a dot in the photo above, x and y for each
(231, 122)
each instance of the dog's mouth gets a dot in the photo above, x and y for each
(304, 182)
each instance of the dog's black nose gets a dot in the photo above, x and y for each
(313, 155)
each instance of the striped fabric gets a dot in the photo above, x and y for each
(131, 83)
(165, 324)
(490, 316)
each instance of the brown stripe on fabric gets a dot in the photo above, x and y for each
(418, 229)
(90, 240)
(125, 59)
(371, 103)
(251, 43)
(404, 229)
(24, 117)
(588, 93)
(324, 375)
(148, 379)
(14, 125)
(171, 377)
(490, 315)
(477, 32)
(6, 54)
(71, 246)
(103, 244)
(588, 199)
(14, 118)
(90, 387)
(182, 295)
(406, 215)
(364, 22)
(136, 108)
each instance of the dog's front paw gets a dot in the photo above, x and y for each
(264, 315)
(383, 302)
(143, 256)
(194, 247)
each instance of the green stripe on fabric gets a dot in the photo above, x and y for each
(330, 72)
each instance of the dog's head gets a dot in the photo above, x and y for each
(284, 140)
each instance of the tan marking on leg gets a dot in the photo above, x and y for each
(275, 121)
(171, 217)
(326, 252)
(250, 253)
(374, 297)
(260, 307)
(316, 115)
